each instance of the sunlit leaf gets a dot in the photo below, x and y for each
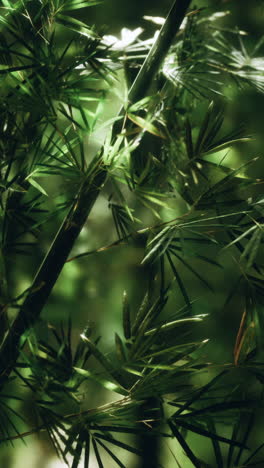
(145, 125)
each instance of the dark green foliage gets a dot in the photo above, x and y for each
(158, 164)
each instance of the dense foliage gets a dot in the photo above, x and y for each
(140, 126)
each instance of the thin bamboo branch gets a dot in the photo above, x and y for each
(62, 245)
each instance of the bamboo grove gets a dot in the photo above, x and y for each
(165, 162)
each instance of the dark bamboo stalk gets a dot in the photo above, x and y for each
(58, 253)
(50, 268)
(159, 50)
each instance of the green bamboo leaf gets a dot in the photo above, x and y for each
(152, 313)
(211, 435)
(133, 429)
(112, 455)
(70, 5)
(159, 244)
(141, 105)
(253, 454)
(70, 118)
(87, 451)
(239, 238)
(190, 268)
(247, 430)
(76, 25)
(97, 454)
(35, 184)
(177, 351)
(104, 361)
(146, 125)
(184, 445)
(252, 247)
(232, 448)
(117, 443)
(203, 130)
(133, 371)
(120, 351)
(4, 69)
(198, 395)
(165, 367)
(227, 405)
(176, 323)
(154, 197)
(216, 445)
(141, 313)
(215, 126)
(227, 144)
(81, 440)
(219, 185)
(126, 317)
(107, 384)
(189, 141)
(209, 260)
(179, 281)
(8, 5)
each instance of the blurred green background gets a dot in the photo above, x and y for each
(91, 289)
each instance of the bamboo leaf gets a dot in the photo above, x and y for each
(70, 5)
(105, 362)
(35, 184)
(97, 454)
(145, 125)
(200, 430)
(112, 455)
(179, 281)
(120, 351)
(185, 446)
(176, 323)
(222, 146)
(126, 317)
(216, 445)
(75, 25)
(78, 450)
(117, 443)
(107, 384)
(203, 130)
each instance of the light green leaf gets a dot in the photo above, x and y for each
(107, 384)
(175, 323)
(78, 4)
(146, 125)
(75, 25)
(35, 184)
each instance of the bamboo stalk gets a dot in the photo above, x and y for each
(159, 50)
(50, 268)
(61, 247)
